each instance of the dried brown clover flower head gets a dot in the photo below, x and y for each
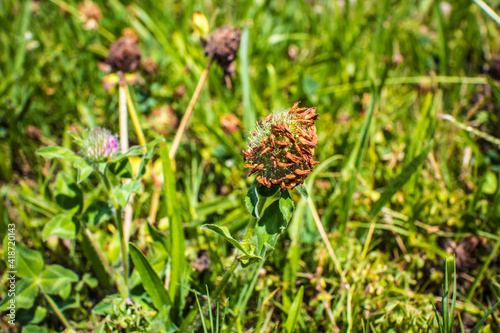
(222, 46)
(281, 148)
(163, 120)
(230, 123)
(124, 55)
(150, 67)
(90, 15)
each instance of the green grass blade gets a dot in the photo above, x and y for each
(201, 314)
(446, 297)
(438, 318)
(454, 298)
(248, 291)
(483, 269)
(249, 116)
(356, 158)
(150, 279)
(177, 256)
(483, 319)
(293, 314)
(20, 36)
(210, 309)
(97, 262)
(399, 181)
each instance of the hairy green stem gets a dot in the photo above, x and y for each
(99, 252)
(123, 243)
(119, 225)
(191, 322)
(107, 185)
(225, 278)
(56, 309)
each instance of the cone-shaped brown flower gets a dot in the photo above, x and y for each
(281, 148)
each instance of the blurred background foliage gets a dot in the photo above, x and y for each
(422, 58)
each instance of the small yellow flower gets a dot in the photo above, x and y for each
(200, 24)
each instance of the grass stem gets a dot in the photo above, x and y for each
(123, 243)
(119, 225)
(123, 121)
(479, 277)
(482, 135)
(155, 200)
(99, 252)
(135, 119)
(190, 322)
(487, 9)
(322, 232)
(56, 309)
(189, 110)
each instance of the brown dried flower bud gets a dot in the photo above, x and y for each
(90, 15)
(281, 148)
(293, 51)
(222, 46)
(180, 91)
(230, 123)
(150, 67)
(124, 55)
(163, 120)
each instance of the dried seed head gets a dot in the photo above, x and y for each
(222, 46)
(98, 145)
(90, 15)
(293, 51)
(230, 123)
(124, 55)
(150, 67)
(163, 120)
(281, 148)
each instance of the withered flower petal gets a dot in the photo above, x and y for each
(281, 148)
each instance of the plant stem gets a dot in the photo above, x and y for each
(124, 249)
(325, 238)
(488, 10)
(107, 185)
(135, 119)
(56, 309)
(225, 278)
(154, 205)
(123, 121)
(189, 110)
(194, 314)
(119, 225)
(483, 269)
(368, 239)
(470, 129)
(99, 252)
